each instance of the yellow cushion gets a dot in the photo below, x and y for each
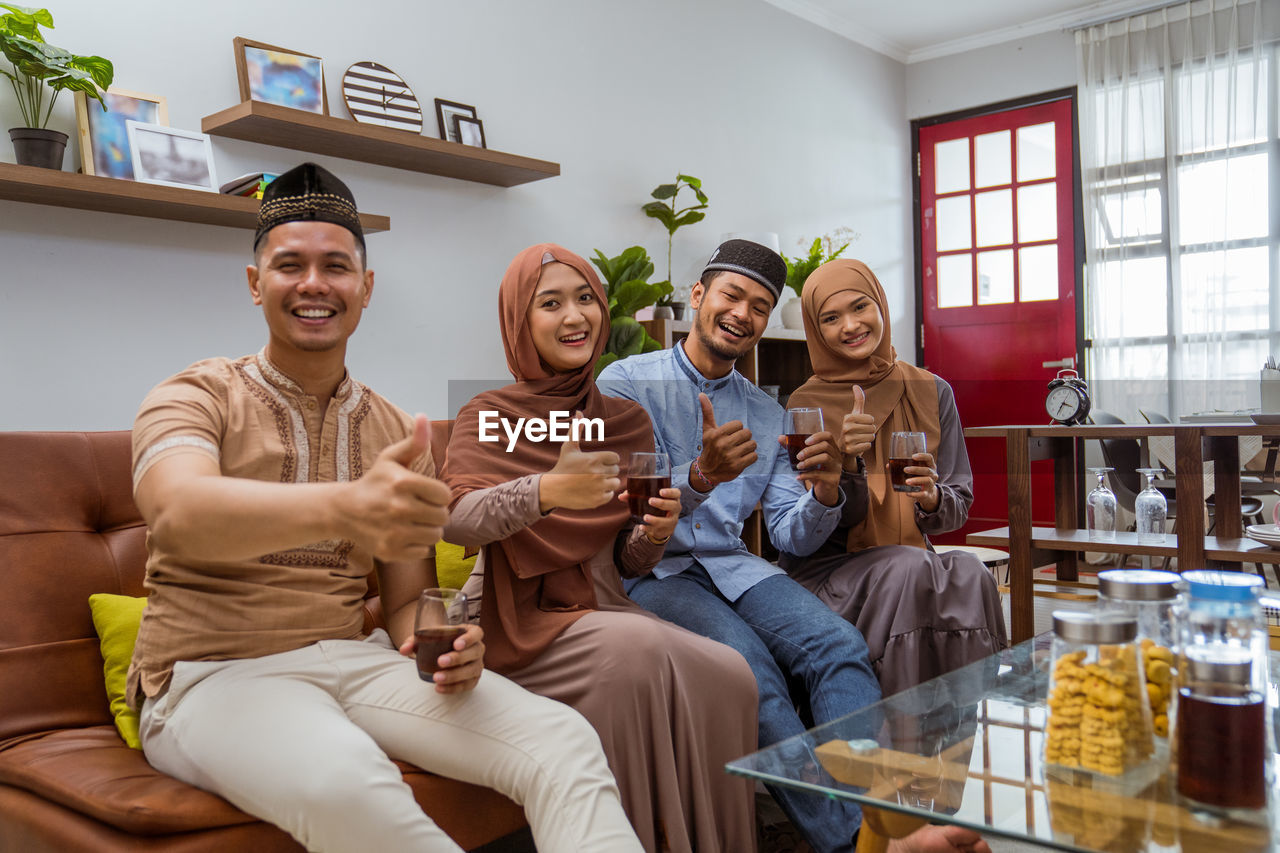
(116, 619)
(452, 569)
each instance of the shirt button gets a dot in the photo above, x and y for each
(311, 404)
(698, 525)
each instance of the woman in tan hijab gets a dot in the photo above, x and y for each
(670, 707)
(922, 613)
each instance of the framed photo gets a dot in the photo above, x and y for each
(470, 131)
(104, 139)
(170, 157)
(277, 75)
(445, 111)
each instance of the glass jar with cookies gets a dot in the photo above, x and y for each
(1099, 717)
(1155, 599)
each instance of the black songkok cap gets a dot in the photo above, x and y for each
(756, 262)
(308, 193)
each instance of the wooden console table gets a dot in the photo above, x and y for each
(1194, 444)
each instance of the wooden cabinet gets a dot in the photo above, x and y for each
(1194, 444)
(780, 358)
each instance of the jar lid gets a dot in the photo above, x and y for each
(1220, 670)
(1107, 627)
(1223, 586)
(1139, 584)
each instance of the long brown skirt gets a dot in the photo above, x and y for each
(671, 708)
(922, 614)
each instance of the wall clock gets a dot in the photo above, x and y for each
(375, 94)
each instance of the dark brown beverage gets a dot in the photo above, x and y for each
(433, 642)
(639, 490)
(1221, 743)
(898, 474)
(796, 443)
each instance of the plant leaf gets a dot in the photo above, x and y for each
(626, 337)
(606, 359)
(690, 218)
(101, 70)
(665, 191)
(662, 213)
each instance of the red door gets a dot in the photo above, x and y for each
(998, 269)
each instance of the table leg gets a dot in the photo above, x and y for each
(1021, 606)
(879, 826)
(1190, 479)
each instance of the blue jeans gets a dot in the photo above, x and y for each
(787, 636)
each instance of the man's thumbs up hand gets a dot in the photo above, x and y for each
(392, 510)
(727, 450)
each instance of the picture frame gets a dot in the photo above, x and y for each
(445, 111)
(278, 75)
(171, 157)
(470, 131)
(104, 138)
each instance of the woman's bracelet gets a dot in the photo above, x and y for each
(696, 470)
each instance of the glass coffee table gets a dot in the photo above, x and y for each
(966, 749)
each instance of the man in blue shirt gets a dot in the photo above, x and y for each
(707, 418)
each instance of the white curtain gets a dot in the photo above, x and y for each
(1180, 160)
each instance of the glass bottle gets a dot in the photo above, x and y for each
(1100, 509)
(1150, 509)
(1223, 727)
(1153, 598)
(1099, 719)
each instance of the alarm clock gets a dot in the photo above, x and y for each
(1068, 399)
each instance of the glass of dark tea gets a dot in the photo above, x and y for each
(902, 446)
(442, 617)
(647, 473)
(798, 425)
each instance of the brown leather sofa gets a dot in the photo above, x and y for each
(69, 528)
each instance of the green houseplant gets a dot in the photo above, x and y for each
(39, 72)
(628, 289)
(799, 268)
(672, 218)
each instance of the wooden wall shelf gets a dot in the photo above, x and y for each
(111, 195)
(271, 124)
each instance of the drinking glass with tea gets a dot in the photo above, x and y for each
(798, 425)
(902, 447)
(441, 619)
(647, 475)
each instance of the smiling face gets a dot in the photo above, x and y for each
(564, 318)
(851, 324)
(312, 285)
(732, 313)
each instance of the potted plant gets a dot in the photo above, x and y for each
(673, 219)
(821, 250)
(628, 289)
(39, 73)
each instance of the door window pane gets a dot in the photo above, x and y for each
(953, 223)
(1038, 273)
(995, 277)
(1204, 216)
(992, 159)
(1036, 152)
(994, 211)
(1037, 213)
(951, 165)
(955, 281)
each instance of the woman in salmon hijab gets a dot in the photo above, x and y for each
(670, 707)
(922, 613)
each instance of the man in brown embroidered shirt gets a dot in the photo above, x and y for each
(273, 485)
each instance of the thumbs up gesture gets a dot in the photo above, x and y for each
(727, 449)
(580, 479)
(393, 511)
(859, 429)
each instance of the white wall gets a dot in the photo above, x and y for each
(793, 130)
(1002, 72)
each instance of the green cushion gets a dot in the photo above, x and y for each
(452, 569)
(116, 619)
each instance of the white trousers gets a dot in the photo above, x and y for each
(301, 739)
